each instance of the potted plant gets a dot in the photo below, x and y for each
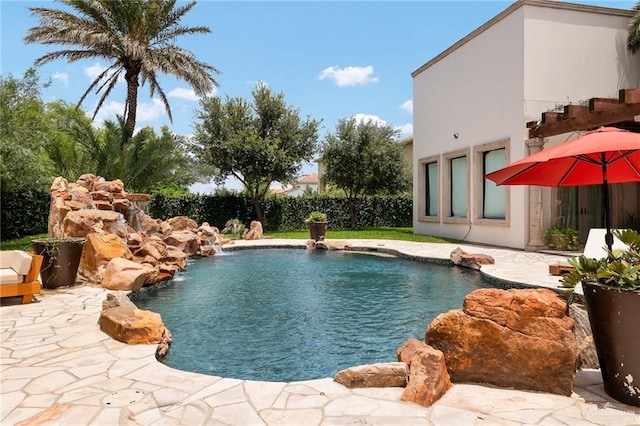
(61, 260)
(561, 238)
(317, 224)
(611, 288)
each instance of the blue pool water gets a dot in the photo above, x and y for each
(292, 314)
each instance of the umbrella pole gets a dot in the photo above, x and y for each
(608, 237)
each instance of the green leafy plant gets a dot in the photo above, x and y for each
(316, 217)
(620, 268)
(235, 227)
(558, 237)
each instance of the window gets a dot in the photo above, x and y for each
(429, 189)
(494, 196)
(431, 185)
(455, 174)
(459, 187)
(492, 201)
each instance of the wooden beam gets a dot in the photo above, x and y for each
(623, 112)
(629, 96)
(575, 110)
(598, 104)
(552, 117)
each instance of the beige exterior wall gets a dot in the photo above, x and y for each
(480, 93)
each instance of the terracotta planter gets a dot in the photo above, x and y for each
(317, 230)
(614, 315)
(61, 260)
(560, 241)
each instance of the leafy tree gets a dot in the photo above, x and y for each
(257, 142)
(23, 160)
(136, 36)
(146, 162)
(633, 30)
(69, 157)
(363, 159)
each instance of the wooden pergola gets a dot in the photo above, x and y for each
(609, 112)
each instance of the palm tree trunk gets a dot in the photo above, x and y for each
(131, 106)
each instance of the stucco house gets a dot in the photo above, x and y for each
(487, 101)
(303, 184)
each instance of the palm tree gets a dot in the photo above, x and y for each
(633, 36)
(135, 36)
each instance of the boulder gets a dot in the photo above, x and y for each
(391, 374)
(86, 181)
(473, 261)
(255, 231)
(587, 355)
(122, 206)
(97, 252)
(332, 245)
(207, 250)
(181, 223)
(208, 230)
(79, 223)
(152, 247)
(123, 274)
(102, 196)
(118, 298)
(408, 348)
(113, 186)
(60, 188)
(163, 345)
(510, 338)
(81, 195)
(428, 377)
(148, 225)
(132, 325)
(185, 240)
(58, 210)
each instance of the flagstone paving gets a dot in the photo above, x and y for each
(57, 367)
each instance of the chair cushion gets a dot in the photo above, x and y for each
(17, 260)
(9, 276)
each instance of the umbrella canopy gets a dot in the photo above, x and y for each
(603, 156)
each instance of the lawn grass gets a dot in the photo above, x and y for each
(23, 243)
(379, 233)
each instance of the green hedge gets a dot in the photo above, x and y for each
(23, 213)
(285, 213)
(26, 213)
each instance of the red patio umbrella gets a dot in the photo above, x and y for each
(603, 156)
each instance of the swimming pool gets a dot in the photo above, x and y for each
(292, 314)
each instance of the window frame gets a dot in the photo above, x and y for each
(479, 179)
(446, 187)
(423, 215)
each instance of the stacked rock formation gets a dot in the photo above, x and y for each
(521, 339)
(116, 226)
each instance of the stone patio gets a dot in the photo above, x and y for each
(57, 367)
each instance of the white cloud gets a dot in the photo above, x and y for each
(407, 106)
(146, 112)
(63, 77)
(94, 71)
(364, 118)
(182, 93)
(150, 112)
(349, 76)
(405, 130)
(108, 111)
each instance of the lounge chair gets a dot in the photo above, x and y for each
(19, 274)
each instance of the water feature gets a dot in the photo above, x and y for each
(292, 314)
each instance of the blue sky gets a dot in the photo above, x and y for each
(331, 59)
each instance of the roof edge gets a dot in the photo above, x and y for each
(551, 4)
